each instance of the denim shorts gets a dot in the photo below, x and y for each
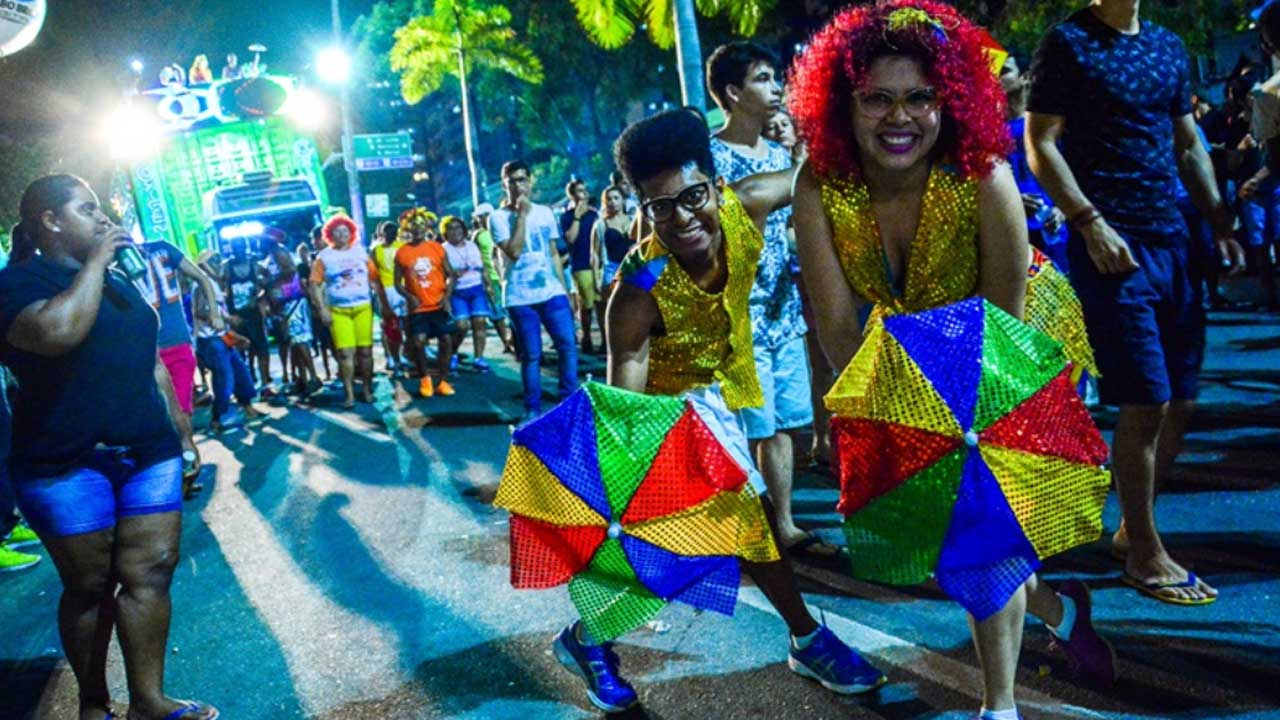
(1147, 326)
(92, 498)
(784, 378)
(471, 302)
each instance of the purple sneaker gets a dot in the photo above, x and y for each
(1090, 656)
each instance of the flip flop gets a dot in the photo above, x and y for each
(1152, 589)
(192, 707)
(814, 547)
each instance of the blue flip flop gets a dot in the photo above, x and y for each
(192, 707)
(1152, 589)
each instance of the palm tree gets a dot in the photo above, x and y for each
(457, 33)
(611, 23)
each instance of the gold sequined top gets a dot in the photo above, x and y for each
(942, 260)
(707, 336)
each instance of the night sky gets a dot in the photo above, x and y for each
(76, 65)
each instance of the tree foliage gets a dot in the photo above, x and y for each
(1020, 24)
(426, 49)
(612, 23)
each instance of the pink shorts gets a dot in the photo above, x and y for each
(181, 363)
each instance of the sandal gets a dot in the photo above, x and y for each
(189, 707)
(1155, 588)
(815, 548)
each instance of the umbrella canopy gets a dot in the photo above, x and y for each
(634, 501)
(1054, 309)
(964, 453)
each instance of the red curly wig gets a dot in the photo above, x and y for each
(952, 52)
(334, 222)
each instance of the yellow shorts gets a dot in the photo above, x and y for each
(352, 326)
(588, 287)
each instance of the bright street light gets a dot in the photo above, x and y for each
(333, 65)
(136, 65)
(132, 133)
(308, 109)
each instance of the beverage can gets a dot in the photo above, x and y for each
(129, 260)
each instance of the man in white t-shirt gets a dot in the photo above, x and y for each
(534, 291)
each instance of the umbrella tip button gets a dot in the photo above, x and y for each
(615, 530)
(971, 439)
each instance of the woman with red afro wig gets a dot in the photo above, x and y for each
(343, 280)
(905, 204)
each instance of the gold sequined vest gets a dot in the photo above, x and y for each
(707, 336)
(942, 260)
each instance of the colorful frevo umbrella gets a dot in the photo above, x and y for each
(634, 501)
(964, 453)
(1053, 309)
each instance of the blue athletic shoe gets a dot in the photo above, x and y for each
(838, 667)
(598, 666)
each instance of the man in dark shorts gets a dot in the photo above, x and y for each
(425, 279)
(1110, 123)
(245, 281)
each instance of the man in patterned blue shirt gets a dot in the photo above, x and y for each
(742, 77)
(1109, 125)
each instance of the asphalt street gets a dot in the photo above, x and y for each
(348, 564)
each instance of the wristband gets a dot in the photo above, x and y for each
(1083, 217)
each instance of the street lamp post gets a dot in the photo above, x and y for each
(348, 144)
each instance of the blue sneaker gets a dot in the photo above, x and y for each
(598, 666)
(836, 666)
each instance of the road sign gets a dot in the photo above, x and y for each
(383, 151)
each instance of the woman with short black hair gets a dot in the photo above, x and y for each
(96, 463)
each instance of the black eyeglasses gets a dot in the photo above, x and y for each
(692, 198)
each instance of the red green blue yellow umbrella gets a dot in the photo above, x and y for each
(1053, 309)
(635, 502)
(964, 453)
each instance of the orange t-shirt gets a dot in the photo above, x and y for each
(423, 268)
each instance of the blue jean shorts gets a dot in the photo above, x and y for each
(471, 302)
(92, 498)
(784, 378)
(1147, 326)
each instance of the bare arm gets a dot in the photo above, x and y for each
(764, 193)
(410, 300)
(1196, 172)
(1003, 251)
(181, 422)
(56, 326)
(450, 283)
(514, 245)
(1109, 252)
(1051, 170)
(630, 318)
(207, 288)
(836, 315)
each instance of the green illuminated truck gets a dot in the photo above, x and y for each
(204, 164)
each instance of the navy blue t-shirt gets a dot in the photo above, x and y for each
(581, 258)
(1119, 94)
(103, 391)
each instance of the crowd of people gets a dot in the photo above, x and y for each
(896, 172)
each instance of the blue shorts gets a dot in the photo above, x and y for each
(784, 378)
(1260, 214)
(1147, 326)
(471, 302)
(93, 497)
